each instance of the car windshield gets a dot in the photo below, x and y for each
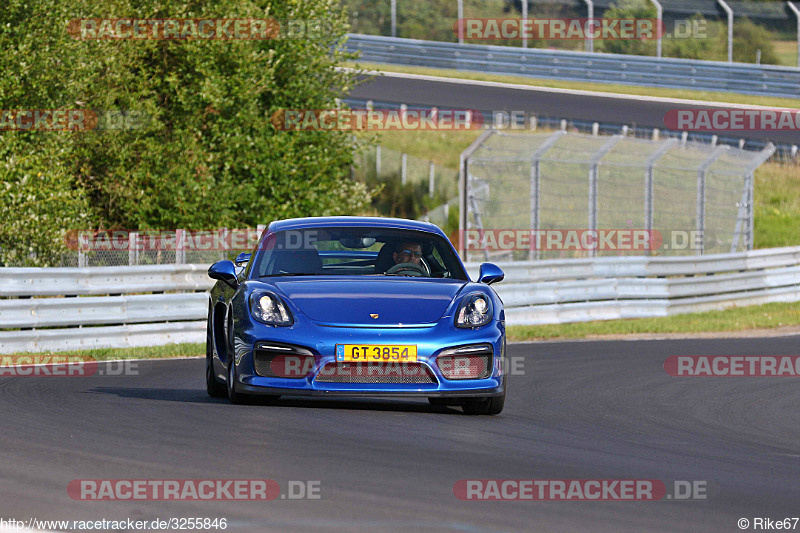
(362, 251)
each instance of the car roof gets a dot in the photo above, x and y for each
(379, 222)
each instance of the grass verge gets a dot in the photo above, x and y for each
(112, 354)
(767, 316)
(706, 96)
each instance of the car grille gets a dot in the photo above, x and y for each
(405, 373)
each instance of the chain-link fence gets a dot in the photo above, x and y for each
(433, 188)
(559, 195)
(92, 248)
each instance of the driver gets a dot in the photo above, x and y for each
(407, 252)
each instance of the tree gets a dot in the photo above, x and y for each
(202, 152)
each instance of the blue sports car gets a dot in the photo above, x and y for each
(356, 306)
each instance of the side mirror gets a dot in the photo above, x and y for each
(490, 273)
(224, 271)
(242, 258)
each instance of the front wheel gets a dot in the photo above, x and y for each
(485, 406)
(213, 387)
(233, 396)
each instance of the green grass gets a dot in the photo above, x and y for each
(786, 52)
(766, 316)
(586, 86)
(111, 354)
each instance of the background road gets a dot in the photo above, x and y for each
(581, 410)
(646, 113)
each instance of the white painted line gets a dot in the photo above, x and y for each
(574, 92)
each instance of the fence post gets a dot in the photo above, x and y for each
(729, 12)
(463, 171)
(536, 174)
(133, 248)
(649, 182)
(590, 38)
(701, 195)
(393, 8)
(378, 161)
(594, 174)
(403, 168)
(82, 242)
(431, 179)
(797, 15)
(460, 22)
(180, 247)
(524, 18)
(660, 20)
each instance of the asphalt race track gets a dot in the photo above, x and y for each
(634, 112)
(580, 410)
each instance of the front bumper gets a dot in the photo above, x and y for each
(321, 341)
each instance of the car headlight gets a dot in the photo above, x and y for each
(269, 309)
(475, 311)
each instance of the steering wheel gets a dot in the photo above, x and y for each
(408, 269)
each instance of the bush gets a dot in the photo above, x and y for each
(207, 155)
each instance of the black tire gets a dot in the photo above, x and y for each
(230, 385)
(214, 388)
(485, 406)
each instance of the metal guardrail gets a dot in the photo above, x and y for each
(102, 280)
(765, 80)
(102, 307)
(576, 290)
(536, 292)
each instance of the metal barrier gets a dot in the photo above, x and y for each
(62, 309)
(536, 292)
(646, 71)
(578, 290)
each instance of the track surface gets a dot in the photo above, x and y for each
(638, 113)
(583, 410)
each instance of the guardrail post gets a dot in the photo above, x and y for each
(403, 168)
(431, 178)
(378, 161)
(729, 11)
(797, 16)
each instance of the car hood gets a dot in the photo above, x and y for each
(351, 302)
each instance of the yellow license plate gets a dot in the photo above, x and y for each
(376, 353)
